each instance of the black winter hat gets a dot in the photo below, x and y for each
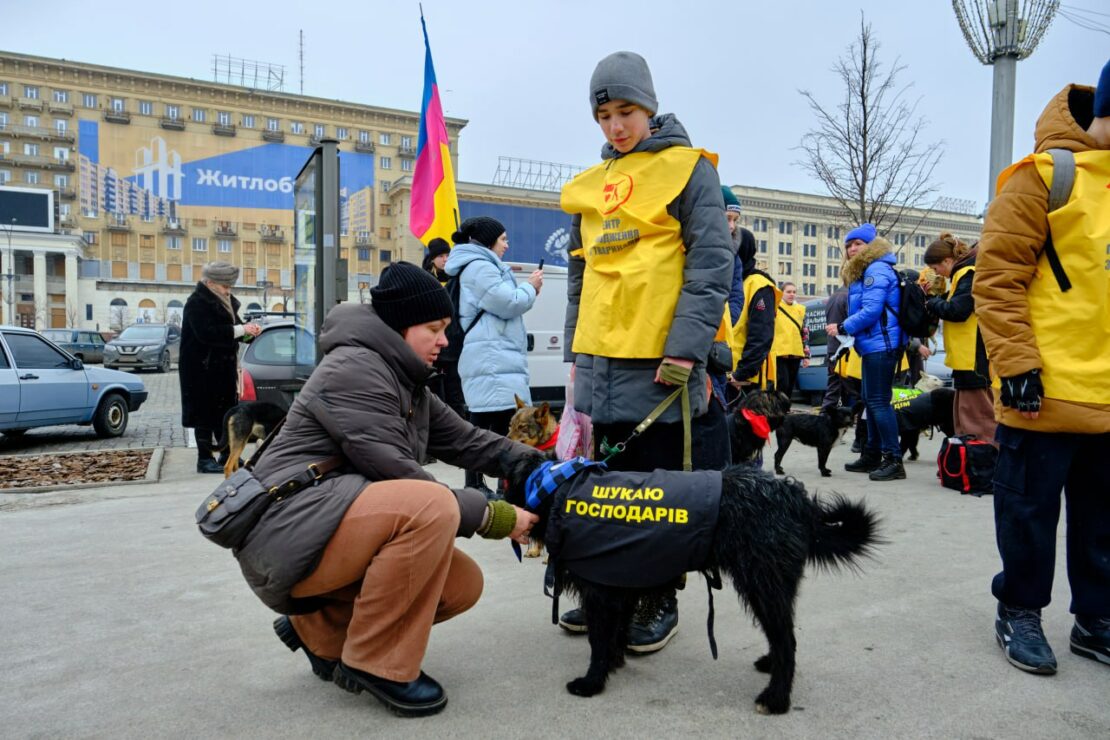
(438, 246)
(406, 296)
(482, 229)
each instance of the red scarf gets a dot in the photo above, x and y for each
(549, 444)
(758, 423)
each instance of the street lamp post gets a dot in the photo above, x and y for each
(10, 275)
(265, 285)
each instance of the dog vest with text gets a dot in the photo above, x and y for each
(631, 529)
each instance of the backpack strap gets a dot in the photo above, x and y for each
(481, 311)
(1063, 180)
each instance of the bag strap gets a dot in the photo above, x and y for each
(795, 323)
(313, 473)
(249, 465)
(1063, 180)
(481, 311)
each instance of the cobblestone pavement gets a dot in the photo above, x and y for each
(156, 424)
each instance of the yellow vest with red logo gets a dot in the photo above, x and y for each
(752, 284)
(788, 335)
(850, 365)
(1072, 329)
(633, 250)
(960, 336)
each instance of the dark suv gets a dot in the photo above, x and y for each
(269, 364)
(144, 346)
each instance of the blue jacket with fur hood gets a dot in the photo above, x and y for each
(873, 299)
(494, 360)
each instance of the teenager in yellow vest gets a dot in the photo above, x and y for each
(973, 406)
(649, 267)
(791, 347)
(1047, 330)
(754, 332)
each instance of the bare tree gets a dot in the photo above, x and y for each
(73, 314)
(867, 149)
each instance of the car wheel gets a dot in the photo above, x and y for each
(166, 362)
(110, 419)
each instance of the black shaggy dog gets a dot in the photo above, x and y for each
(744, 440)
(243, 422)
(932, 409)
(767, 530)
(821, 430)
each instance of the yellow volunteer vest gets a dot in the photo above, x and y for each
(1072, 329)
(959, 336)
(633, 250)
(850, 365)
(788, 337)
(752, 284)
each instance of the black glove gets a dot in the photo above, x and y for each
(932, 305)
(1023, 392)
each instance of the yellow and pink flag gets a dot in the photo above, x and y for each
(435, 202)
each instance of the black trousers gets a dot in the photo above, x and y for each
(840, 391)
(1033, 467)
(786, 374)
(206, 444)
(496, 422)
(448, 386)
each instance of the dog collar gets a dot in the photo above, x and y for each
(550, 475)
(549, 444)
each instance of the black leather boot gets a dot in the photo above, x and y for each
(417, 698)
(867, 462)
(890, 468)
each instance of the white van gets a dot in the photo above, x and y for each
(547, 372)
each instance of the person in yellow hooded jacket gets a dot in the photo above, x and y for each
(648, 273)
(1042, 296)
(791, 346)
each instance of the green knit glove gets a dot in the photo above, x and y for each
(502, 519)
(674, 374)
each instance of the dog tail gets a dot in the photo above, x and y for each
(225, 437)
(844, 532)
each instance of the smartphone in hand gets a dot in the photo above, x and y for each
(540, 265)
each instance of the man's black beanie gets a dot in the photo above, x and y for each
(406, 296)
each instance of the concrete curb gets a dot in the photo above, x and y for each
(153, 471)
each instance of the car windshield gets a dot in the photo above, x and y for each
(143, 333)
(58, 335)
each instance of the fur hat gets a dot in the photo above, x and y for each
(1102, 93)
(406, 296)
(623, 75)
(482, 229)
(223, 273)
(732, 203)
(864, 232)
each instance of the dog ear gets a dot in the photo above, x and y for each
(543, 410)
(519, 401)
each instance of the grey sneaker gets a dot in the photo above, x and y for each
(1021, 638)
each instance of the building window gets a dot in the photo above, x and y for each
(117, 105)
(320, 130)
(223, 117)
(832, 271)
(384, 139)
(31, 150)
(88, 100)
(386, 163)
(810, 229)
(273, 124)
(61, 96)
(3, 120)
(406, 165)
(759, 224)
(31, 177)
(296, 127)
(200, 115)
(786, 227)
(224, 246)
(385, 255)
(363, 254)
(146, 108)
(833, 252)
(173, 242)
(341, 133)
(173, 112)
(61, 153)
(31, 121)
(406, 142)
(5, 177)
(917, 260)
(833, 232)
(919, 240)
(200, 244)
(248, 121)
(4, 147)
(61, 125)
(785, 268)
(386, 185)
(31, 91)
(763, 246)
(363, 137)
(786, 248)
(3, 88)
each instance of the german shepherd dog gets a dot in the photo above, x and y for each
(767, 530)
(245, 422)
(745, 442)
(534, 426)
(823, 431)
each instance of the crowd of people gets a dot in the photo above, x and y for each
(666, 301)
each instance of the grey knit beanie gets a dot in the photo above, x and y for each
(623, 75)
(223, 273)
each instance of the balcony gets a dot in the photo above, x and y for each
(364, 239)
(172, 124)
(406, 151)
(36, 132)
(226, 229)
(223, 129)
(315, 140)
(366, 147)
(30, 104)
(67, 193)
(6, 101)
(69, 221)
(118, 222)
(173, 228)
(60, 109)
(276, 136)
(117, 116)
(37, 160)
(271, 234)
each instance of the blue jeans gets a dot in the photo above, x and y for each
(882, 425)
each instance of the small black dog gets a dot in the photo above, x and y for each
(932, 409)
(746, 442)
(821, 430)
(766, 531)
(243, 422)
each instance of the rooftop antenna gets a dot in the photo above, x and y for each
(302, 61)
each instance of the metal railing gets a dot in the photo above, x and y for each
(37, 132)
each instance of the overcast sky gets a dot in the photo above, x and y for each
(519, 70)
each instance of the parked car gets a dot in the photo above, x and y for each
(87, 346)
(144, 347)
(269, 364)
(43, 385)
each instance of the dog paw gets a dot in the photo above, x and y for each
(763, 665)
(770, 702)
(584, 687)
(826, 473)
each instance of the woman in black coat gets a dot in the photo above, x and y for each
(210, 334)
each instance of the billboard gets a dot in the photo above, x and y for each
(144, 170)
(27, 209)
(534, 233)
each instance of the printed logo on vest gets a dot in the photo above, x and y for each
(616, 193)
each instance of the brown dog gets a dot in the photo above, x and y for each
(535, 427)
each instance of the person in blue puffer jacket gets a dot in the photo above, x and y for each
(494, 360)
(873, 304)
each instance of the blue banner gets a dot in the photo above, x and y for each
(534, 233)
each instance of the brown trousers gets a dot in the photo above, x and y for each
(389, 571)
(973, 413)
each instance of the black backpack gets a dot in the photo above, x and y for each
(912, 316)
(456, 335)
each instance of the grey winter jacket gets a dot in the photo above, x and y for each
(615, 390)
(367, 400)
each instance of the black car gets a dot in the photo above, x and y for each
(144, 347)
(269, 364)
